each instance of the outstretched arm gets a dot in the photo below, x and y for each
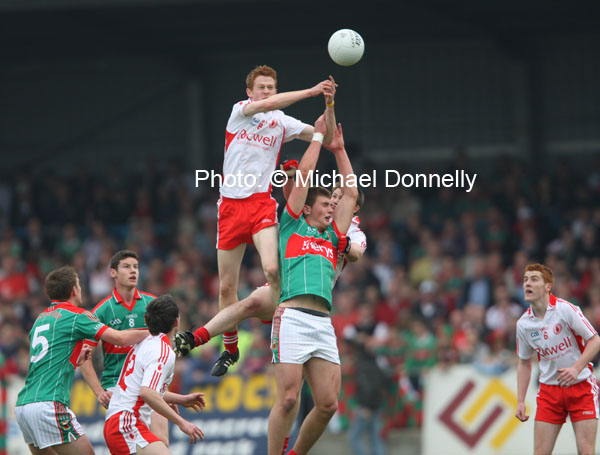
(329, 94)
(308, 162)
(124, 337)
(345, 208)
(285, 99)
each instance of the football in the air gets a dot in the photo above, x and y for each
(346, 47)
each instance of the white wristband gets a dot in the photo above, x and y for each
(318, 137)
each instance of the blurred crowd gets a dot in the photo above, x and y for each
(440, 282)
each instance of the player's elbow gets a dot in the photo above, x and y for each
(355, 253)
(145, 393)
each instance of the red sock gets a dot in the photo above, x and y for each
(230, 340)
(201, 336)
(291, 452)
(285, 444)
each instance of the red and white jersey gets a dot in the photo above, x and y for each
(252, 147)
(559, 339)
(151, 364)
(356, 236)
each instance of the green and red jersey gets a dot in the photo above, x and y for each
(115, 313)
(307, 257)
(56, 339)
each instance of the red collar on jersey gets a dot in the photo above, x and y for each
(121, 300)
(551, 306)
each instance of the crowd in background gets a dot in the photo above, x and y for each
(440, 282)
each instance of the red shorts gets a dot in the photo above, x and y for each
(580, 401)
(239, 219)
(123, 431)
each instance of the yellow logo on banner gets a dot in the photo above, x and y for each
(495, 388)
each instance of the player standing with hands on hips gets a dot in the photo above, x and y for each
(565, 343)
(247, 213)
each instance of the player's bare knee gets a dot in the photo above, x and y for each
(289, 403)
(227, 292)
(251, 305)
(327, 408)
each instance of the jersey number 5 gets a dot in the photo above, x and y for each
(127, 369)
(37, 340)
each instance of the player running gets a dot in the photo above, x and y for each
(565, 343)
(247, 213)
(123, 309)
(57, 347)
(142, 388)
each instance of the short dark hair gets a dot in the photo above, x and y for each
(161, 314)
(60, 282)
(120, 255)
(314, 192)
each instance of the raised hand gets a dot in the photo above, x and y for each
(321, 125)
(337, 143)
(329, 91)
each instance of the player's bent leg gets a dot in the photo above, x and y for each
(81, 446)
(257, 304)
(288, 377)
(154, 448)
(324, 379)
(266, 242)
(544, 437)
(585, 436)
(159, 425)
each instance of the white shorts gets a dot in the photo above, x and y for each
(123, 432)
(47, 423)
(297, 336)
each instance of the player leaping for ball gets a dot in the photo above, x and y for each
(258, 304)
(302, 336)
(255, 132)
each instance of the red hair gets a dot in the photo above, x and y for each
(546, 272)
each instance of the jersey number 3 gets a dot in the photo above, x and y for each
(127, 369)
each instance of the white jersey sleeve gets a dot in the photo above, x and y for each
(558, 339)
(575, 319)
(524, 350)
(356, 235)
(149, 364)
(252, 148)
(159, 370)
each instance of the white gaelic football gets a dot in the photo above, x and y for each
(346, 47)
